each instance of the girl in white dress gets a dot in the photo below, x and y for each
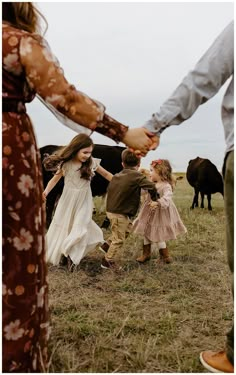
(72, 232)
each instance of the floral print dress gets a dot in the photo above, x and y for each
(30, 68)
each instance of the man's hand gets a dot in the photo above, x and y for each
(155, 142)
(140, 140)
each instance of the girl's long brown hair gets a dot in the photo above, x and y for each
(164, 170)
(67, 153)
(23, 15)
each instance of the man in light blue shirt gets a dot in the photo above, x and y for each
(201, 84)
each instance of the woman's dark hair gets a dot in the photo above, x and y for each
(23, 15)
(67, 153)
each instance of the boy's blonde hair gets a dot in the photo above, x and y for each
(164, 170)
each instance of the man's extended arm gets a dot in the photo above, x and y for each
(202, 83)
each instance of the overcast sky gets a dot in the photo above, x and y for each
(131, 57)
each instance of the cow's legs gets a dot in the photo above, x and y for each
(106, 223)
(202, 200)
(49, 211)
(209, 202)
(50, 205)
(195, 199)
(103, 203)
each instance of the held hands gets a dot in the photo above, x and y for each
(155, 142)
(140, 140)
(153, 205)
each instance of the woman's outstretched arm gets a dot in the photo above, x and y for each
(71, 106)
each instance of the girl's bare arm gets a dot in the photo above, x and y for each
(52, 183)
(104, 173)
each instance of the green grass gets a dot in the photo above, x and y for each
(146, 318)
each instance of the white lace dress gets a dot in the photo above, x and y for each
(72, 231)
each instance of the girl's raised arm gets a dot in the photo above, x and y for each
(52, 183)
(104, 173)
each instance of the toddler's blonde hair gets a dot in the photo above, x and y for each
(164, 170)
(145, 172)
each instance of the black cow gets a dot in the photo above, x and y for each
(204, 177)
(110, 159)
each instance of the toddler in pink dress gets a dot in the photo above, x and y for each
(159, 221)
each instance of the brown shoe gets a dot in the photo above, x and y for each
(109, 264)
(216, 361)
(146, 254)
(104, 247)
(164, 256)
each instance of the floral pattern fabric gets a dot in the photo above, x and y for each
(25, 327)
(30, 53)
(29, 67)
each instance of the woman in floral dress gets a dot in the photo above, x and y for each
(29, 68)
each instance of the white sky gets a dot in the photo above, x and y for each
(131, 56)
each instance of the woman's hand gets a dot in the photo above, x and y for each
(139, 139)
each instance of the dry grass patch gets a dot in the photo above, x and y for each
(146, 318)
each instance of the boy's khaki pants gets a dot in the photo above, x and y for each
(120, 228)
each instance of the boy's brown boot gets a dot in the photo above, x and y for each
(164, 256)
(146, 254)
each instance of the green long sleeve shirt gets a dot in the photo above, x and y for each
(124, 190)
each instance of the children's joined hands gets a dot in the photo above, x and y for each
(154, 205)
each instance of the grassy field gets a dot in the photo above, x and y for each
(146, 318)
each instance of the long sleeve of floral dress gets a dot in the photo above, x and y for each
(72, 107)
